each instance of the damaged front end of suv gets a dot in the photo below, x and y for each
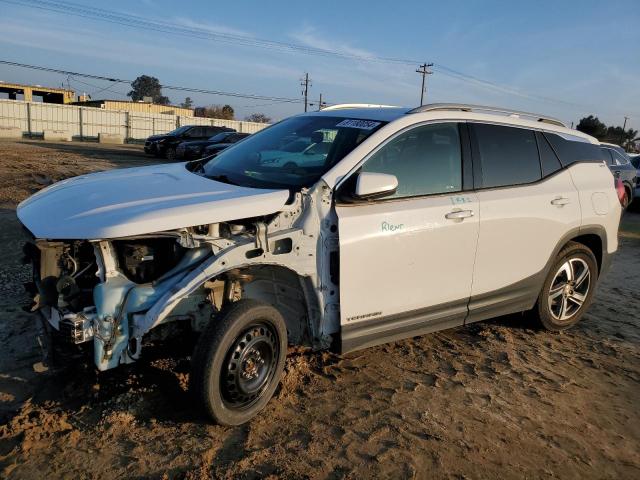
(112, 292)
(242, 247)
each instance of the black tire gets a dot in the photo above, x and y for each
(562, 301)
(171, 154)
(229, 352)
(628, 197)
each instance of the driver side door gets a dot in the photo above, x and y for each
(406, 260)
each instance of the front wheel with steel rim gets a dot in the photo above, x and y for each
(238, 361)
(568, 288)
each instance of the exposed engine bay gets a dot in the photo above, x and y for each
(113, 292)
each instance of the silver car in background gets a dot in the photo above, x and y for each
(620, 165)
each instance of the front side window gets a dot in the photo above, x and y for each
(291, 154)
(508, 155)
(426, 160)
(194, 132)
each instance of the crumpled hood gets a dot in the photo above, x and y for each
(135, 201)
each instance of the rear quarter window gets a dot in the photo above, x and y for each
(573, 151)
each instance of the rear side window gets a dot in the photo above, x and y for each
(508, 155)
(619, 158)
(607, 156)
(548, 159)
(572, 151)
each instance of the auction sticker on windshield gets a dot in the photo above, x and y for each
(361, 124)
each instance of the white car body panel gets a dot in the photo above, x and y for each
(520, 228)
(136, 201)
(396, 256)
(600, 204)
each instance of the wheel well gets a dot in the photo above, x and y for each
(285, 290)
(594, 243)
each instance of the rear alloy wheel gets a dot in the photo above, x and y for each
(239, 360)
(568, 289)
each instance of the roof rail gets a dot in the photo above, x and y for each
(356, 105)
(431, 107)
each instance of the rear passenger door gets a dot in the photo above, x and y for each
(527, 204)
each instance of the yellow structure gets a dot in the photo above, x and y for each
(144, 107)
(17, 91)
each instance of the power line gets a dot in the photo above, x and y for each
(135, 21)
(167, 87)
(423, 69)
(99, 89)
(143, 23)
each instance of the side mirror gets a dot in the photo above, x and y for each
(375, 185)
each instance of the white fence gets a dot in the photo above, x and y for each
(33, 118)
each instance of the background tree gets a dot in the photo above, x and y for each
(224, 112)
(228, 113)
(591, 125)
(618, 135)
(258, 117)
(188, 103)
(146, 86)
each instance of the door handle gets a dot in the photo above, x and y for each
(560, 201)
(459, 214)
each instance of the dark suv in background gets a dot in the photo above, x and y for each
(620, 165)
(194, 150)
(165, 145)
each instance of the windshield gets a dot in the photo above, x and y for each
(291, 154)
(219, 137)
(179, 130)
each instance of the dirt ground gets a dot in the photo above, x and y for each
(493, 400)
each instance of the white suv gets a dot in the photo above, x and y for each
(415, 220)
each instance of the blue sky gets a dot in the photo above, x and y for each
(563, 58)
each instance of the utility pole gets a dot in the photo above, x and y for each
(305, 83)
(423, 69)
(320, 103)
(624, 126)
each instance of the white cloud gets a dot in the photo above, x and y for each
(210, 27)
(309, 37)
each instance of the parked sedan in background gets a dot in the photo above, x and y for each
(213, 150)
(620, 164)
(194, 150)
(165, 145)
